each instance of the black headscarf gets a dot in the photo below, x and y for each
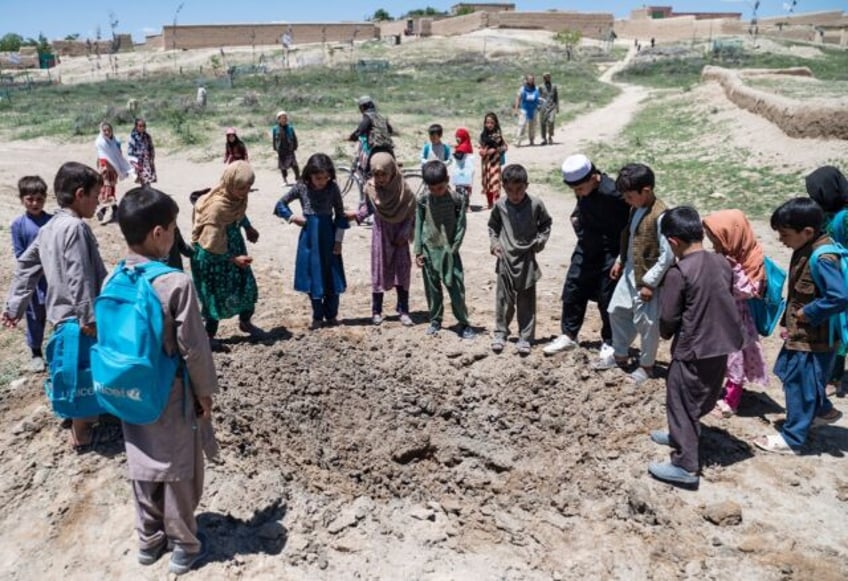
(829, 188)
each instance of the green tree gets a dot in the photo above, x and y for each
(11, 42)
(43, 45)
(74, 36)
(569, 38)
(419, 12)
(380, 15)
(465, 10)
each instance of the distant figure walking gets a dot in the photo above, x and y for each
(113, 167)
(141, 153)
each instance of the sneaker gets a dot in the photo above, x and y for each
(182, 562)
(315, 324)
(639, 376)
(36, 365)
(660, 437)
(149, 556)
(498, 343)
(433, 328)
(523, 347)
(561, 343)
(334, 322)
(668, 472)
(467, 333)
(406, 320)
(377, 319)
(607, 361)
(606, 350)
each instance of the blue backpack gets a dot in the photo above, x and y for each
(767, 310)
(69, 386)
(838, 324)
(132, 373)
(837, 227)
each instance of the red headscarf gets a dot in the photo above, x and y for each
(464, 141)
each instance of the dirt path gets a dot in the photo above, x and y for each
(599, 125)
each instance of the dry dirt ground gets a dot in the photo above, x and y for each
(378, 453)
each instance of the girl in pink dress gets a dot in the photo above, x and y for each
(732, 235)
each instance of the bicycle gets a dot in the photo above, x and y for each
(353, 175)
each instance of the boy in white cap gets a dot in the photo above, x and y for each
(598, 220)
(284, 140)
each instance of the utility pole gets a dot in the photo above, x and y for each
(174, 35)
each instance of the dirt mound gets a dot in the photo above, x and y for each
(812, 118)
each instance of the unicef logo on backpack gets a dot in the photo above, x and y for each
(132, 393)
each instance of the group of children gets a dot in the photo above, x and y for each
(644, 264)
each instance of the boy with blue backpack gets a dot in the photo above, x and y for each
(65, 253)
(818, 294)
(153, 368)
(829, 188)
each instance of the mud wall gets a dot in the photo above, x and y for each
(673, 29)
(212, 36)
(815, 118)
(591, 25)
(84, 47)
(461, 24)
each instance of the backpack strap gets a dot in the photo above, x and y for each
(70, 330)
(837, 226)
(842, 254)
(816, 256)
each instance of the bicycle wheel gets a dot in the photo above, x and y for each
(415, 182)
(345, 178)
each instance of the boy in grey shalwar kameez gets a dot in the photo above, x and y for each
(165, 458)
(65, 253)
(519, 227)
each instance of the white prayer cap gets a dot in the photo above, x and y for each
(281, 113)
(576, 168)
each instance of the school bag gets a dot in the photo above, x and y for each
(132, 373)
(838, 323)
(69, 386)
(767, 310)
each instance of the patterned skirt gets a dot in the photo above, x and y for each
(224, 289)
(110, 180)
(145, 171)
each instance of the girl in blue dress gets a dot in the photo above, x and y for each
(319, 270)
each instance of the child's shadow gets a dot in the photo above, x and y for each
(756, 404)
(267, 338)
(720, 447)
(229, 536)
(832, 440)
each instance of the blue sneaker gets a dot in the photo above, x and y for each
(660, 437)
(668, 472)
(467, 333)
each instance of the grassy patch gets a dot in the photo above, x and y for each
(672, 136)
(686, 70)
(456, 90)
